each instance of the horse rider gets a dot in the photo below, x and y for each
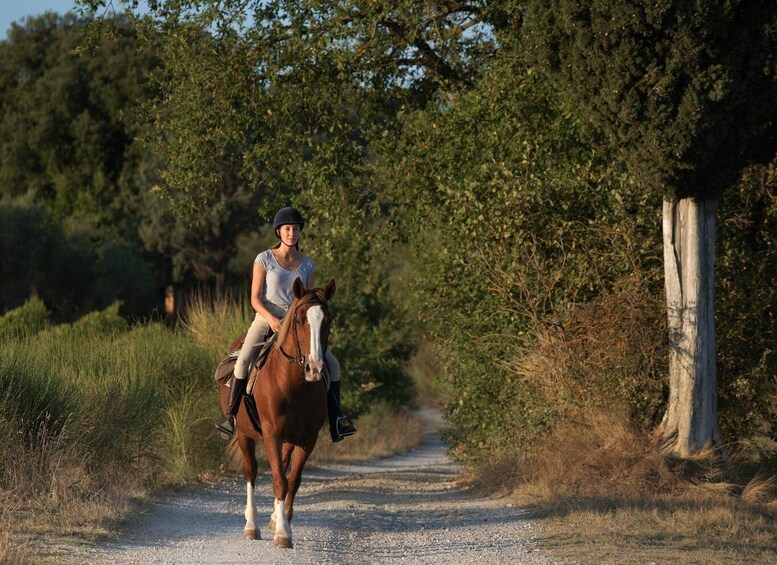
(274, 273)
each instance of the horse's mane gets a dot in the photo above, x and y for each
(316, 294)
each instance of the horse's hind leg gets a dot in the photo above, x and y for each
(248, 448)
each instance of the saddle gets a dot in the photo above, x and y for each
(226, 367)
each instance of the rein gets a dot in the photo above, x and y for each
(300, 358)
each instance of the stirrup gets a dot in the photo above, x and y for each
(229, 432)
(344, 427)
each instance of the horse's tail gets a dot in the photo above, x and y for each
(234, 456)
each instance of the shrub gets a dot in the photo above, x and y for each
(105, 321)
(29, 318)
(605, 356)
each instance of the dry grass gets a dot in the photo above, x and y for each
(47, 493)
(215, 321)
(659, 530)
(382, 432)
(602, 491)
(603, 494)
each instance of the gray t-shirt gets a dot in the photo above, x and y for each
(278, 281)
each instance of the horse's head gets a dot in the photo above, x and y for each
(310, 320)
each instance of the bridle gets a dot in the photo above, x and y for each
(300, 358)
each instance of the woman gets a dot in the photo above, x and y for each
(275, 271)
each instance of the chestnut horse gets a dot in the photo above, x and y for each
(291, 399)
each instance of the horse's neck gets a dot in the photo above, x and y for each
(290, 368)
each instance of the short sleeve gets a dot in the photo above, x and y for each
(263, 260)
(311, 268)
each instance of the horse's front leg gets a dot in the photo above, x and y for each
(247, 447)
(272, 445)
(300, 457)
(286, 452)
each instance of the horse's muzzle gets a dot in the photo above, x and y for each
(313, 371)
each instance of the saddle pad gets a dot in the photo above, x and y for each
(225, 367)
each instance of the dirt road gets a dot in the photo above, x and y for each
(405, 509)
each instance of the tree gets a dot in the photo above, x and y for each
(65, 136)
(281, 100)
(685, 94)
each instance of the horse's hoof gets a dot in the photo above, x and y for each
(283, 542)
(251, 533)
(272, 525)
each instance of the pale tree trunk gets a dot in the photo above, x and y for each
(691, 420)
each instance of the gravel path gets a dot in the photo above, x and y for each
(410, 508)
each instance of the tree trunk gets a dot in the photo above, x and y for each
(691, 420)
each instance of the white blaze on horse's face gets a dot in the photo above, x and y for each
(315, 362)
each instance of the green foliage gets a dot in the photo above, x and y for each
(101, 321)
(64, 138)
(516, 221)
(201, 251)
(111, 396)
(71, 171)
(66, 271)
(29, 318)
(37, 255)
(683, 92)
(124, 276)
(747, 328)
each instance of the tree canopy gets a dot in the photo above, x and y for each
(66, 141)
(683, 92)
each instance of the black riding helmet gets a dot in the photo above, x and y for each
(285, 216)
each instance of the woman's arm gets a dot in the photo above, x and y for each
(311, 282)
(257, 284)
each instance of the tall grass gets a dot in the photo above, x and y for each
(595, 475)
(95, 412)
(214, 321)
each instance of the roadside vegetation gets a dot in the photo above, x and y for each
(97, 413)
(486, 181)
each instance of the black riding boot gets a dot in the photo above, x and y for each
(340, 426)
(236, 389)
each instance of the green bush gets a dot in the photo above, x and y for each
(29, 318)
(33, 248)
(515, 224)
(747, 305)
(124, 275)
(105, 321)
(111, 396)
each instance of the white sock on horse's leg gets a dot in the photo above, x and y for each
(250, 514)
(282, 527)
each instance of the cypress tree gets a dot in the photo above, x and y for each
(684, 93)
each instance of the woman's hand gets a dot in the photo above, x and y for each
(275, 323)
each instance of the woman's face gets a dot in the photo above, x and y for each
(289, 234)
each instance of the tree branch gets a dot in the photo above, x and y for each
(431, 59)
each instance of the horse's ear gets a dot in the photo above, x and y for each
(298, 288)
(329, 289)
